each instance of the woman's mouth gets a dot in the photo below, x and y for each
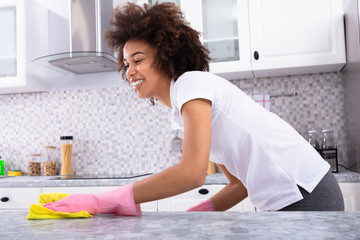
(137, 83)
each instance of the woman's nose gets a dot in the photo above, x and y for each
(130, 71)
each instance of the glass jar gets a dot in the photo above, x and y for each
(34, 168)
(66, 153)
(312, 139)
(327, 140)
(49, 165)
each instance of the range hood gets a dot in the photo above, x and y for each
(88, 52)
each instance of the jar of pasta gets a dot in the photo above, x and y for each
(49, 165)
(66, 153)
(34, 168)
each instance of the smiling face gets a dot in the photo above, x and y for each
(143, 77)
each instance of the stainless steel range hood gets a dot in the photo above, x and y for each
(88, 52)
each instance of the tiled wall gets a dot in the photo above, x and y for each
(117, 133)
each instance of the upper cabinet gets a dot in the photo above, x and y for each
(34, 28)
(246, 39)
(296, 37)
(18, 43)
(11, 44)
(270, 37)
(225, 32)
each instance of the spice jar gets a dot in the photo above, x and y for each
(312, 139)
(66, 152)
(34, 168)
(329, 150)
(327, 140)
(49, 165)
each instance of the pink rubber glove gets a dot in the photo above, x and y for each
(118, 201)
(205, 206)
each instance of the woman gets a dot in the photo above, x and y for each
(262, 156)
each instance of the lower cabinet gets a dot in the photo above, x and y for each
(22, 198)
(186, 200)
(177, 203)
(18, 198)
(351, 194)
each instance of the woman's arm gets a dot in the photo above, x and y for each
(231, 194)
(190, 172)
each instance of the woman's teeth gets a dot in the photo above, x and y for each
(134, 84)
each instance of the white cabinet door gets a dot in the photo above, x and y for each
(146, 207)
(18, 198)
(296, 36)
(225, 32)
(12, 45)
(351, 194)
(23, 29)
(189, 199)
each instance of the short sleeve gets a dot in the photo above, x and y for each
(193, 85)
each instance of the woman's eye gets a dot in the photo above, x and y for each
(138, 61)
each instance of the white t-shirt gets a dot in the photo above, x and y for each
(259, 148)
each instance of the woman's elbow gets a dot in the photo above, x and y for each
(197, 180)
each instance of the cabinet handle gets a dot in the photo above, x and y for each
(256, 55)
(203, 191)
(4, 199)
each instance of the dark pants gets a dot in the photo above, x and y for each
(326, 196)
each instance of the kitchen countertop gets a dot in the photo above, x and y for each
(187, 225)
(53, 181)
(48, 181)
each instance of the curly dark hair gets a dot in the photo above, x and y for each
(177, 46)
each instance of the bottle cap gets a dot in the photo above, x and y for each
(35, 154)
(66, 138)
(14, 173)
(50, 147)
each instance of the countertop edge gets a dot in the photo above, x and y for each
(45, 181)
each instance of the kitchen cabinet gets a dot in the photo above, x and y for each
(146, 207)
(351, 194)
(189, 199)
(225, 32)
(22, 198)
(18, 198)
(19, 42)
(270, 38)
(302, 36)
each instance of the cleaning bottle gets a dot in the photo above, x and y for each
(2, 167)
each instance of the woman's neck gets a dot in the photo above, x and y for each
(164, 94)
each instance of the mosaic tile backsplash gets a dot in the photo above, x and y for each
(115, 133)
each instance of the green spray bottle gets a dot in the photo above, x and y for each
(2, 167)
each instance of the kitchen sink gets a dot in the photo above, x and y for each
(98, 177)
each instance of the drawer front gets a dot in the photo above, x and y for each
(351, 194)
(18, 198)
(189, 199)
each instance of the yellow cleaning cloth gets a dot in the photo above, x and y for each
(39, 212)
(51, 197)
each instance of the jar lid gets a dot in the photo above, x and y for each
(312, 131)
(66, 138)
(326, 130)
(35, 154)
(14, 173)
(50, 147)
